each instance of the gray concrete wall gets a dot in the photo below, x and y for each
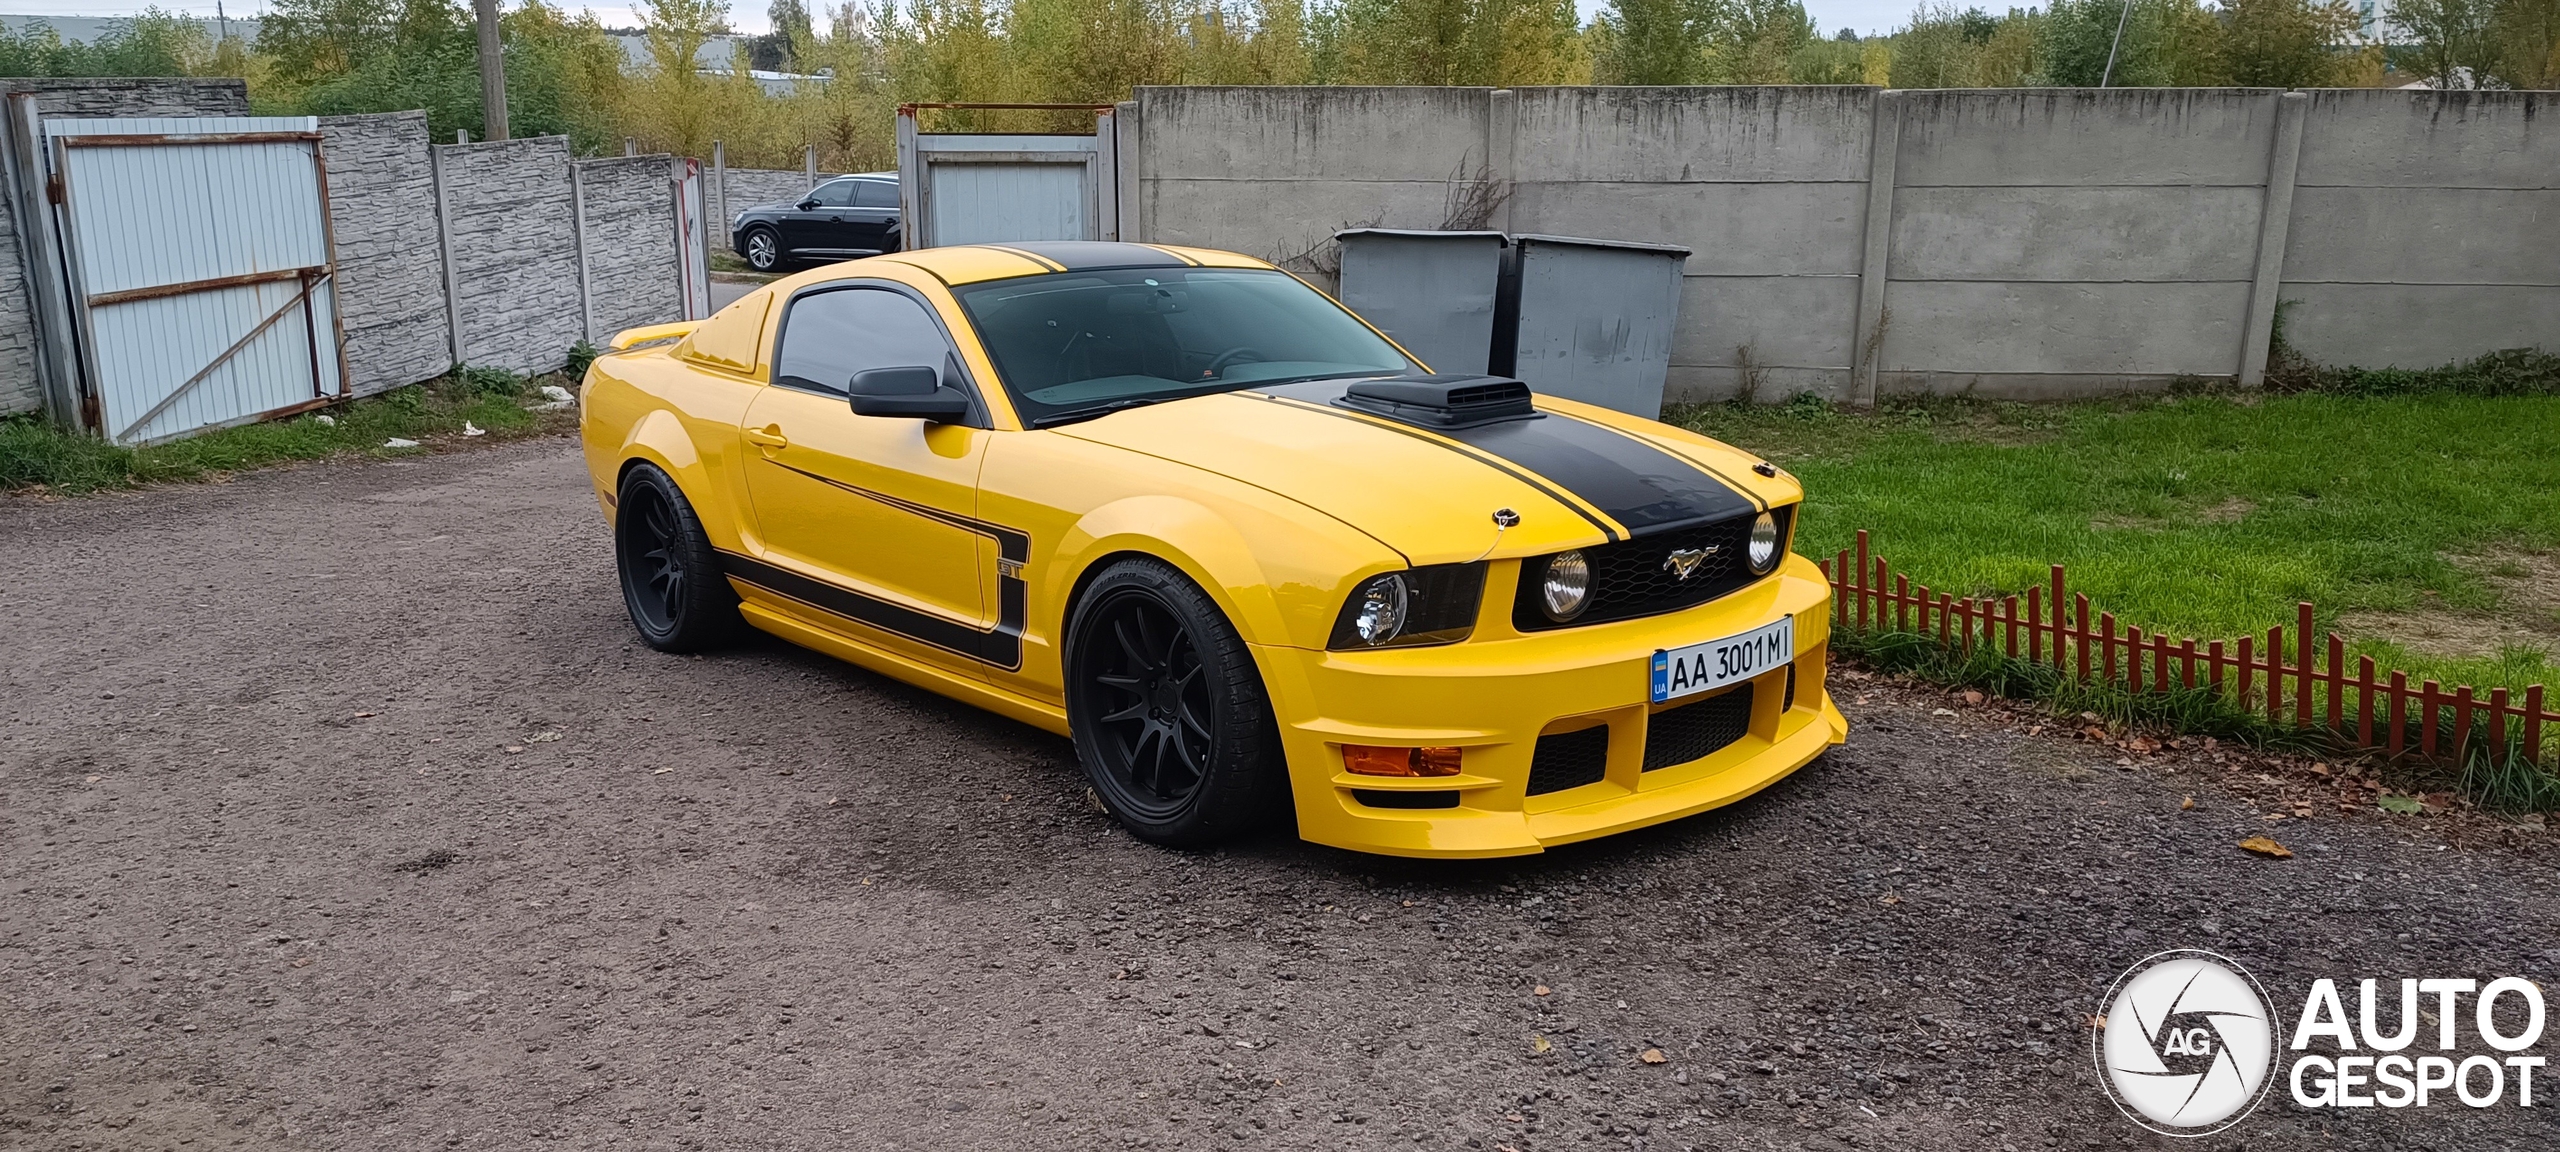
(630, 245)
(2026, 242)
(382, 218)
(2425, 227)
(21, 390)
(509, 234)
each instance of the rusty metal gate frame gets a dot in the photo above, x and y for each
(58, 195)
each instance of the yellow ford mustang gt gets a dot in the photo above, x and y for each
(1243, 549)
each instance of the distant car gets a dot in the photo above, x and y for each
(841, 219)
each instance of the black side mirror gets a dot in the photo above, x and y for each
(807, 205)
(916, 393)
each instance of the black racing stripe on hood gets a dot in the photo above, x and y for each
(1088, 255)
(1631, 481)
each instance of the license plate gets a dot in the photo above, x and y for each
(1679, 672)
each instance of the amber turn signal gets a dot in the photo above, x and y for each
(1367, 760)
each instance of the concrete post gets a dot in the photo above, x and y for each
(630, 145)
(493, 72)
(1499, 127)
(444, 252)
(1106, 178)
(809, 163)
(2273, 222)
(916, 230)
(1133, 202)
(1877, 262)
(720, 182)
(461, 135)
(578, 245)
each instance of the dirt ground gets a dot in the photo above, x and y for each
(340, 810)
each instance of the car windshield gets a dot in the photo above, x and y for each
(1071, 343)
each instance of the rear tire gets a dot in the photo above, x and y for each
(672, 583)
(1170, 718)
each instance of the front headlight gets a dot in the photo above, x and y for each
(1568, 586)
(1433, 604)
(1377, 610)
(1764, 544)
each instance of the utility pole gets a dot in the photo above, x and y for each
(493, 73)
(2122, 18)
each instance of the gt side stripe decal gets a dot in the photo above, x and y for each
(1497, 463)
(1001, 648)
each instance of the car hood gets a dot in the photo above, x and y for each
(1575, 475)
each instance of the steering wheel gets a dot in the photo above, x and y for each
(1218, 367)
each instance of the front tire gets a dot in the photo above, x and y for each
(1170, 718)
(763, 250)
(672, 584)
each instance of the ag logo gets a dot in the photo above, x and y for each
(2188, 1043)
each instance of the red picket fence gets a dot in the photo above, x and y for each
(2365, 707)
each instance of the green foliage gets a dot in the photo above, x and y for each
(581, 354)
(34, 453)
(2207, 515)
(155, 43)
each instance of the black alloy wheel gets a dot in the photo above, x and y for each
(764, 249)
(671, 579)
(1168, 710)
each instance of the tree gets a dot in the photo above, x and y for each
(2528, 37)
(2167, 43)
(1655, 41)
(2289, 43)
(154, 43)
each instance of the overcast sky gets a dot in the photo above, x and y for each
(748, 16)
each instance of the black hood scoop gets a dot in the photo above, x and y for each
(1441, 401)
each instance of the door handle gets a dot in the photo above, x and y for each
(769, 436)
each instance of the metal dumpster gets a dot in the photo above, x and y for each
(1590, 320)
(1433, 292)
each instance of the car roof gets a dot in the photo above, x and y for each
(973, 263)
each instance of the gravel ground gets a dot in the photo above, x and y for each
(338, 809)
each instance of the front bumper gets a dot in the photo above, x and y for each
(1493, 697)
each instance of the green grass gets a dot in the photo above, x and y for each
(34, 454)
(2207, 515)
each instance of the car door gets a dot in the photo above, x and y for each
(818, 225)
(870, 520)
(873, 217)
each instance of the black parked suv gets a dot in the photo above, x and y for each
(843, 218)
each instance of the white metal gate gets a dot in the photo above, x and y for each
(980, 188)
(197, 267)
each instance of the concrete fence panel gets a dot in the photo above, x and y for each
(630, 243)
(2425, 227)
(1765, 186)
(2051, 242)
(382, 218)
(512, 245)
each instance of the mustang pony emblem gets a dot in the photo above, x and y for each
(1683, 561)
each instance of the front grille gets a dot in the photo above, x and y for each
(1569, 760)
(1696, 731)
(1634, 578)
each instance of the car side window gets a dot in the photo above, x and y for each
(828, 336)
(834, 194)
(875, 194)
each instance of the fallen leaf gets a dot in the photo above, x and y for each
(1973, 699)
(301, 961)
(2098, 1021)
(2187, 805)
(1539, 1044)
(2319, 769)
(2266, 847)
(660, 771)
(364, 715)
(2397, 803)
(1889, 898)
(1540, 990)
(1942, 712)
(1653, 1056)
